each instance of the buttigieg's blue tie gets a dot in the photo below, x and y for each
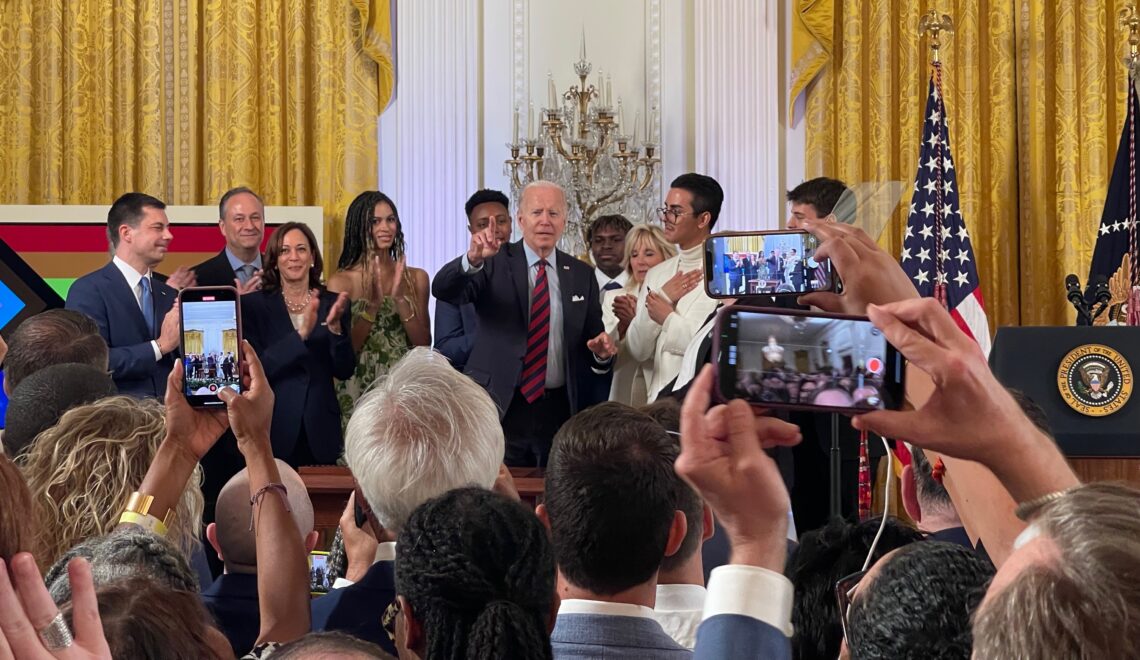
(147, 304)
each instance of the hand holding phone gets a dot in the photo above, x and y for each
(804, 360)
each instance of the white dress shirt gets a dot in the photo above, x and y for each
(582, 606)
(665, 344)
(678, 609)
(603, 279)
(753, 592)
(134, 281)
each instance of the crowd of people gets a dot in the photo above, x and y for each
(133, 525)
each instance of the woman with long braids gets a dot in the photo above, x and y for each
(389, 298)
(474, 579)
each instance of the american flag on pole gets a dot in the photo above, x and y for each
(936, 253)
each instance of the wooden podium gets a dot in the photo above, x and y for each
(329, 488)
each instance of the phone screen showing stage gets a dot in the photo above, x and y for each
(807, 361)
(319, 582)
(210, 348)
(770, 263)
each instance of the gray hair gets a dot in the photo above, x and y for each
(124, 553)
(1087, 603)
(543, 184)
(231, 193)
(422, 430)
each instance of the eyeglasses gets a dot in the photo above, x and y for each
(664, 213)
(844, 593)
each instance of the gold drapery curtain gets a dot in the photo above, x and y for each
(184, 99)
(1035, 92)
(193, 341)
(229, 341)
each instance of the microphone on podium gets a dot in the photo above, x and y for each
(1077, 299)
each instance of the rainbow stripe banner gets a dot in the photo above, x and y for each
(62, 252)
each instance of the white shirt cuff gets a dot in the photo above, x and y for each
(753, 592)
(341, 582)
(157, 350)
(468, 269)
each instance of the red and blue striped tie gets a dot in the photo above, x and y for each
(533, 382)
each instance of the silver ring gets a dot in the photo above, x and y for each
(56, 635)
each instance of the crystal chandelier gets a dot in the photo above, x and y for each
(582, 145)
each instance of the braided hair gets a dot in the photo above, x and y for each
(124, 553)
(478, 572)
(358, 244)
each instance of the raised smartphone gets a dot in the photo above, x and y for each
(319, 582)
(771, 263)
(806, 360)
(211, 343)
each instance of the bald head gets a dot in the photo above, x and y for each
(231, 536)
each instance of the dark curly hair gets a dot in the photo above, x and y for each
(358, 230)
(478, 572)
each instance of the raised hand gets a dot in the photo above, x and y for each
(193, 430)
(251, 412)
(27, 608)
(250, 285)
(396, 290)
(723, 458)
(359, 544)
(182, 278)
(870, 275)
(333, 319)
(625, 308)
(309, 316)
(602, 346)
(484, 245)
(658, 307)
(170, 334)
(681, 284)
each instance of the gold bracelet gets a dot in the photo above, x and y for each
(410, 317)
(139, 505)
(364, 315)
(146, 521)
(1025, 510)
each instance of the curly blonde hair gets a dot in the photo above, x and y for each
(82, 470)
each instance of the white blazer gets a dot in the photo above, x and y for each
(631, 378)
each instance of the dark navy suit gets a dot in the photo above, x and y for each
(357, 608)
(455, 327)
(232, 599)
(105, 296)
(300, 372)
(215, 271)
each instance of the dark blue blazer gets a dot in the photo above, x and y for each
(106, 298)
(232, 599)
(300, 372)
(455, 328)
(736, 636)
(358, 608)
(500, 292)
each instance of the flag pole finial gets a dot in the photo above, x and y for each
(935, 24)
(1130, 19)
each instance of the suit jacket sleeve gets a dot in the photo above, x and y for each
(678, 331)
(453, 285)
(748, 612)
(134, 361)
(450, 337)
(340, 346)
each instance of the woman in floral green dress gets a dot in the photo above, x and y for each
(389, 299)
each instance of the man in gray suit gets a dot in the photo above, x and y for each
(610, 505)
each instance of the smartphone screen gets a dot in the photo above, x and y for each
(211, 341)
(806, 360)
(319, 582)
(764, 263)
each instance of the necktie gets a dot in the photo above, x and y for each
(533, 381)
(147, 303)
(245, 272)
(611, 285)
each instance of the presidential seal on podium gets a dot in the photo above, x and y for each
(1094, 380)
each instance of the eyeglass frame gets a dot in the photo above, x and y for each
(664, 211)
(844, 592)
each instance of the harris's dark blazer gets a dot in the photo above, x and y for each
(105, 297)
(500, 292)
(300, 372)
(215, 271)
